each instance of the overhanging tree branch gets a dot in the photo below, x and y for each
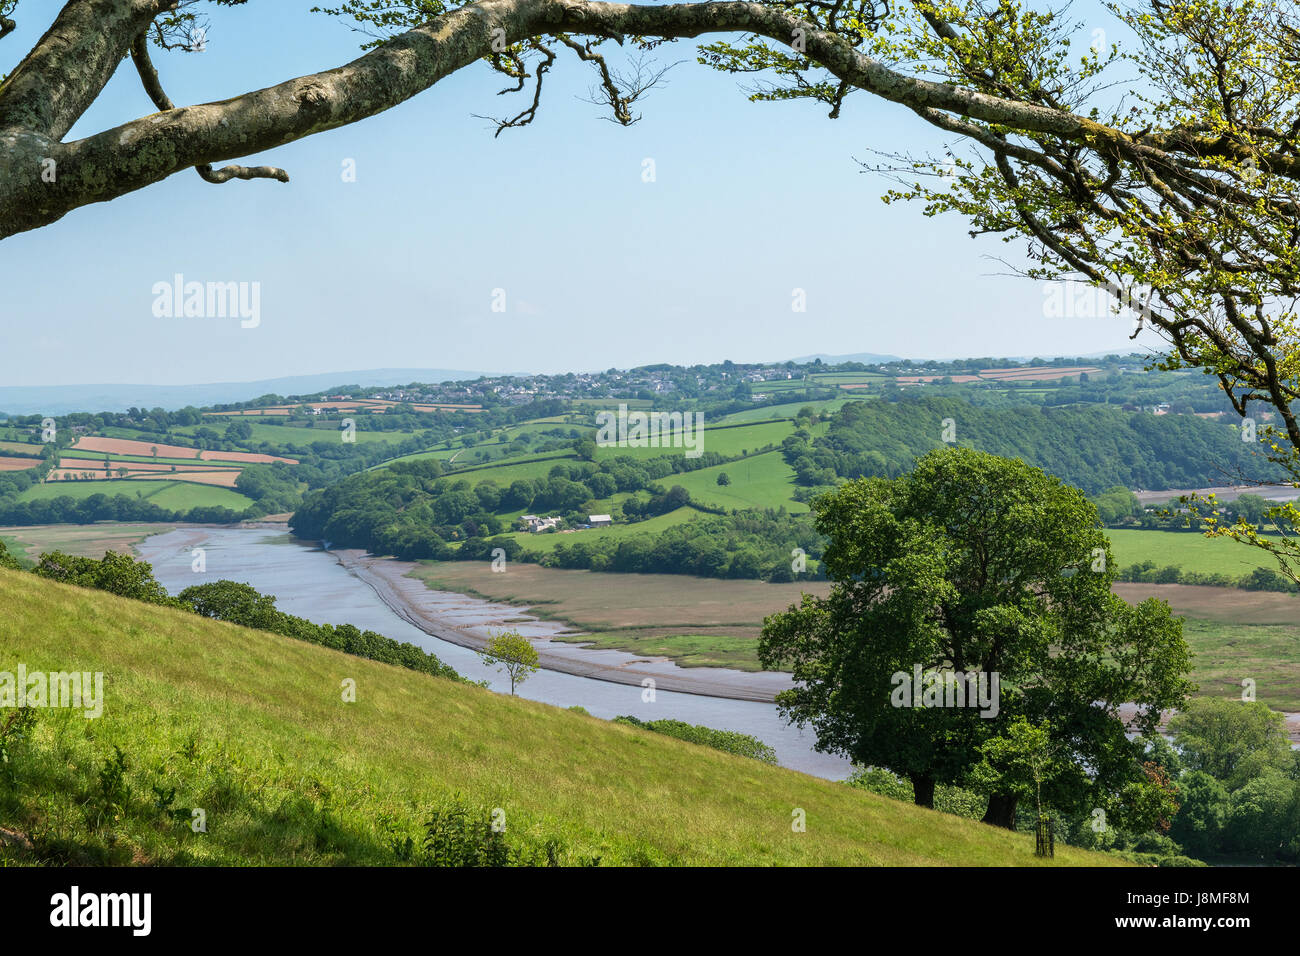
(153, 86)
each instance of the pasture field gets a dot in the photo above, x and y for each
(20, 448)
(1228, 653)
(525, 466)
(789, 410)
(539, 543)
(174, 495)
(725, 440)
(1187, 550)
(760, 481)
(782, 385)
(252, 723)
(494, 447)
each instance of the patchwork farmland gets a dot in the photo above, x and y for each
(121, 460)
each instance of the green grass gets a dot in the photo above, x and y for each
(494, 447)
(720, 439)
(251, 727)
(1225, 655)
(789, 409)
(845, 378)
(512, 469)
(685, 650)
(1187, 550)
(761, 481)
(175, 495)
(18, 550)
(615, 532)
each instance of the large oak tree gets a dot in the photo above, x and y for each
(981, 565)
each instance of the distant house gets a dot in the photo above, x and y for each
(535, 524)
(599, 521)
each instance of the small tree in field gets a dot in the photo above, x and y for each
(1019, 762)
(512, 652)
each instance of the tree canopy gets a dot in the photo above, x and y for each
(977, 565)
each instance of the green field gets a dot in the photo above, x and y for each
(615, 532)
(1227, 654)
(493, 447)
(1187, 550)
(846, 378)
(252, 727)
(524, 466)
(174, 495)
(761, 481)
(767, 413)
(721, 439)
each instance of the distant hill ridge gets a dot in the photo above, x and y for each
(62, 399)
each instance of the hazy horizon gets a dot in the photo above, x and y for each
(599, 268)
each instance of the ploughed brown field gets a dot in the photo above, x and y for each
(128, 446)
(17, 464)
(224, 478)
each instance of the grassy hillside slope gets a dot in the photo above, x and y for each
(251, 727)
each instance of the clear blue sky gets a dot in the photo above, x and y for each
(600, 268)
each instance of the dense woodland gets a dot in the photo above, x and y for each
(1091, 447)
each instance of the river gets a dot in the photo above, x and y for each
(311, 583)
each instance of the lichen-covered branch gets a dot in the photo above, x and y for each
(149, 78)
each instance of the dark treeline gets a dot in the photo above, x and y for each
(753, 545)
(66, 509)
(1093, 448)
